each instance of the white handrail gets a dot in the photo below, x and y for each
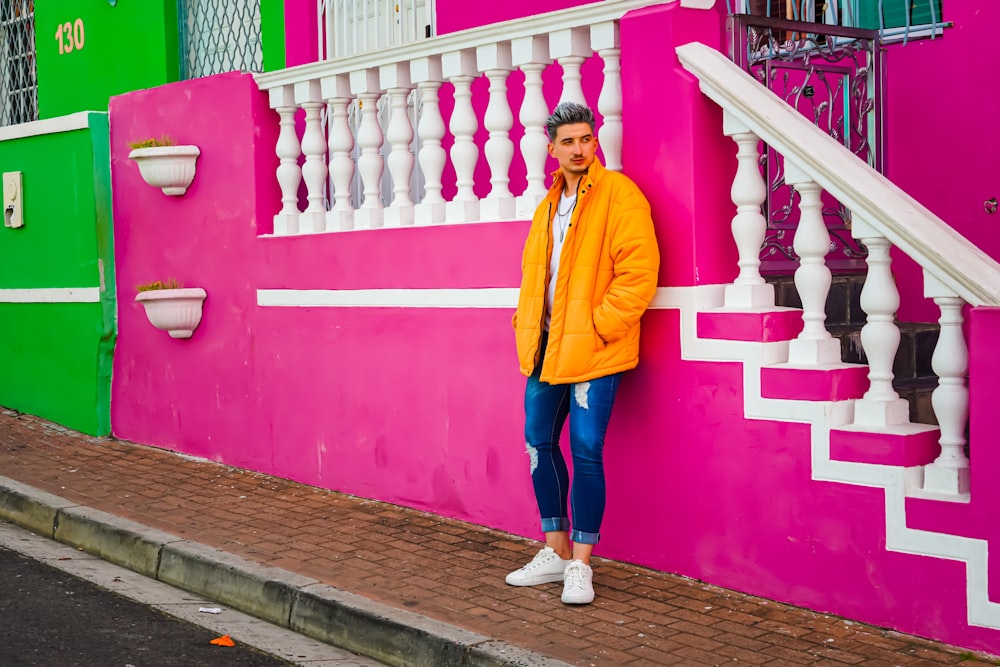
(938, 248)
(586, 15)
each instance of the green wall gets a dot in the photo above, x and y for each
(128, 45)
(55, 357)
(272, 34)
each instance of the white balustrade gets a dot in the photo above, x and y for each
(495, 61)
(385, 165)
(749, 227)
(814, 345)
(289, 174)
(949, 473)
(881, 405)
(604, 40)
(341, 142)
(314, 171)
(365, 85)
(531, 55)
(460, 68)
(570, 48)
(427, 73)
(399, 134)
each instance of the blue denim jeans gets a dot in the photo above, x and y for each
(588, 406)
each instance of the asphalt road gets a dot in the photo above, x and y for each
(62, 607)
(54, 618)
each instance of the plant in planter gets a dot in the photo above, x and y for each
(172, 307)
(165, 165)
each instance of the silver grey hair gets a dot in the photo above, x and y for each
(568, 113)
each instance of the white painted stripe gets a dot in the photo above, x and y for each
(73, 121)
(486, 297)
(51, 295)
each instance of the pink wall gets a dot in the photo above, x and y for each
(422, 406)
(941, 125)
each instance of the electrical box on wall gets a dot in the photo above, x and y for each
(13, 199)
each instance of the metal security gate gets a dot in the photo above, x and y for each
(219, 36)
(832, 75)
(18, 78)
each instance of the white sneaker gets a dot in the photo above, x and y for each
(579, 583)
(544, 568)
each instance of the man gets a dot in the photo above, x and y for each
(589, 271)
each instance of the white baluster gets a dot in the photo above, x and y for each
(371, 213)
(460, 68)
(531, 55)
(604, 40)
(570, 48)
(289, 174)
(309, 97)
(495, 60)
(814, 345)
(396, 79)
(881, 405)
(949, 473)
(430, 128)
(337, 90)
(748, 192)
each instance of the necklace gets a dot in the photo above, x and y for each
(563, 217)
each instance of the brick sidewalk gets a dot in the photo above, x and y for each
(441, 568)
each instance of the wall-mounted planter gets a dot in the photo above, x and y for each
(177, 311)
(170, 168)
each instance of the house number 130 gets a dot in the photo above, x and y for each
(70, 36)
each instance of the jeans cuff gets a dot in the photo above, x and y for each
(557, 524)
(585, 538)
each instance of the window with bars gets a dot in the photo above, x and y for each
(895, 19)
(219, 36)
(18, 78)
(350, 27)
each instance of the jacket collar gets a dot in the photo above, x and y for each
(593, 176)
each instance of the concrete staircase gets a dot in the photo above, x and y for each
(914, 378)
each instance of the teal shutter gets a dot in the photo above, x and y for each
(895, 13)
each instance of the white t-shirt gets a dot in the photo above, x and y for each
(560, 227)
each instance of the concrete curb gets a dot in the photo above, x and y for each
(304, 605)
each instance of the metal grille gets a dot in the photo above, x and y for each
(350, 27)
(896, 20)
(18, 79)
(220, 36)
(833, 76)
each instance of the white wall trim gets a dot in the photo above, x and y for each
(51, 295)
(485, 297)
(74, 121)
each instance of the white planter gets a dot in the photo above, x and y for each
(170, 168)
(177, 311)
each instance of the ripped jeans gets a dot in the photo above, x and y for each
(588, 405)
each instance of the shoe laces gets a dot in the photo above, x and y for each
(540, 558)
(573, 577)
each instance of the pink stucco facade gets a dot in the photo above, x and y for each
(421, 406)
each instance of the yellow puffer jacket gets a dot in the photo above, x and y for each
(607, 277)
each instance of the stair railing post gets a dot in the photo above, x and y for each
(949, 473)
(749, 227)
(881, 405)
(814, 345)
